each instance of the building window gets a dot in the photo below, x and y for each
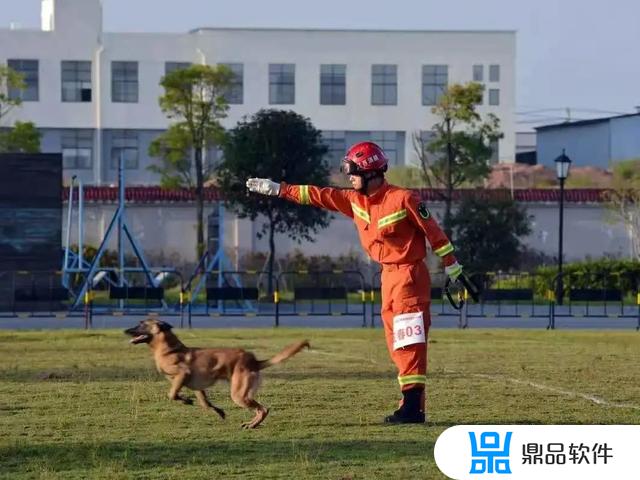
(173, 66)
(333, 81)
(77, 149)
(76, 81)
(384, 85)
(282, 83)
(335, 142)
(29, 71)
(235, 91)
(124, 82)
(494, 73)
(388, 141)
(494, 96)
(478, 73)
(434, 83)
(124, 143)
(495, 152)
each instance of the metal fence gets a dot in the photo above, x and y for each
(247, 293)
(598, 295)
(331, 293)
(107, 295)
(27, 294)
(509, 295)
(336, 293)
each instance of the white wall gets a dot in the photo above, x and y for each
(168, 230)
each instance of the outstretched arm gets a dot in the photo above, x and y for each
(334, 199)
(442, 247)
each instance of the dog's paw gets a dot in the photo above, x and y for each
(187, 401)
(220, 412)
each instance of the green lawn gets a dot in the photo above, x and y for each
(88, 405)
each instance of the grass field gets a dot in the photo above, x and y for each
(88, 405)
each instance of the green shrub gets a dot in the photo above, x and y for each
(600, 273)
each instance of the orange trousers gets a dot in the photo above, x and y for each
(406, 289)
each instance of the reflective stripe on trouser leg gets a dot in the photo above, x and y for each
(411, 379)
(412, 365)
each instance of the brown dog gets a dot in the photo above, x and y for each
(199, 368)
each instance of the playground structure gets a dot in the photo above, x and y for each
(136, 288)
(90, 273)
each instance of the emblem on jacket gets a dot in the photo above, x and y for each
(424, 211)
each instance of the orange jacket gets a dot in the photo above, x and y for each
(392, 223)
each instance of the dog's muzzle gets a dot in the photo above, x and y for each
(138, 336)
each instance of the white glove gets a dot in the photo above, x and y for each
(453, 271)
(263, 186)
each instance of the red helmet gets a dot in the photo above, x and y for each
(364, 157)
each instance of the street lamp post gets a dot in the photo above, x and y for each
(562, 170)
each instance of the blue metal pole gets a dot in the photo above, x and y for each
(80, 224)
(65, 262)
(120, 223)
(220, 248)
(96, 260)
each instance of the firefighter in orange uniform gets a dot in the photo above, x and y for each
(392, 224)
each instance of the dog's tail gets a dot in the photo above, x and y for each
(288, 352)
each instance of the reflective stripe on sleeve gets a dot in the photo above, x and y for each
(444, 250)
(453, 270)
(304, 195)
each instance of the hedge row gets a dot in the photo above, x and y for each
(593, 274)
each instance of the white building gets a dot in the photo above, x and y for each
(94, 94)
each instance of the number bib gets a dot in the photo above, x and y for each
(408, 328)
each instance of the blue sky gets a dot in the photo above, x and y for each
(580, 54)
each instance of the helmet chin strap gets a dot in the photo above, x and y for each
(366, 178)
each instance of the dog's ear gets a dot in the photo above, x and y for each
(164, 326)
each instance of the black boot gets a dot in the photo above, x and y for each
(409, 412)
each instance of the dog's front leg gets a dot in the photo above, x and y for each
(177, 383)
(207, 405)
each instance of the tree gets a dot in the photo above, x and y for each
(406, 177)
(23, 137)
(194, 98)
(624, 199)
(173, 147)
(9, 80)
(459, 145)
(279, 145)
(488, 232)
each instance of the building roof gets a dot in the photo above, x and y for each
(345, 30)
(584, 122)
(139, 194)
